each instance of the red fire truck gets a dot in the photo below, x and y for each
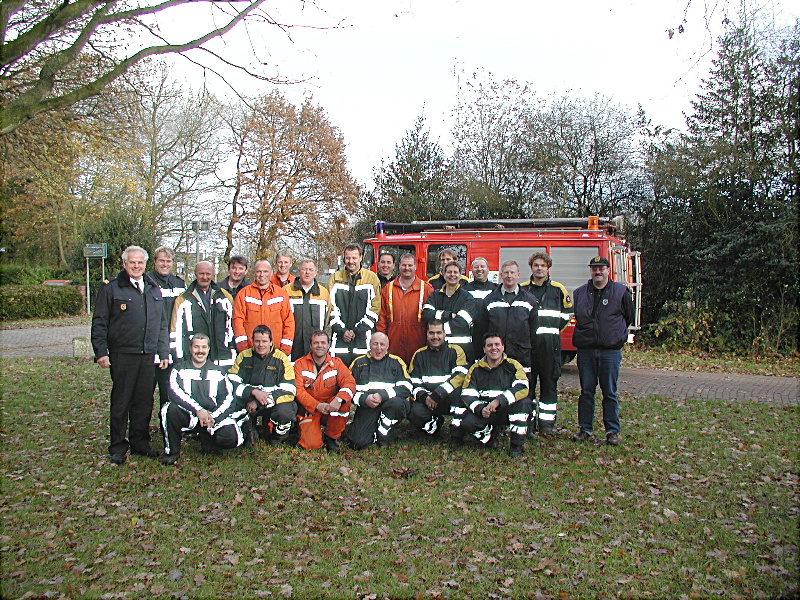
(571, 242)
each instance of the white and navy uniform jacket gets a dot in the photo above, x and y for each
(192, 389)
(438, 373)
(388, 377)
(506, 383)
(457, 312)
(190, 317)
(274, 374)
(514, 317)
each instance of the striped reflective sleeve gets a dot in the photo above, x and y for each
(180, 385)
(466, 316)
(545, 312)
(548, 331)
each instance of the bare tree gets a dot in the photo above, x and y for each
(56, 54)
(291, 182)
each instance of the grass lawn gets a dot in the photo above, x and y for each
(699, 501)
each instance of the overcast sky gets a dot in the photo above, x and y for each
(380, 64)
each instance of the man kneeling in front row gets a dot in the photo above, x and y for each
(495, 395)
(437, 372)
(263, 380)
(201, 400)
(325, 390)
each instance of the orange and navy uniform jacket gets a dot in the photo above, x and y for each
(270, 307)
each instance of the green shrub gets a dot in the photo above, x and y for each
(24, 274)
(39, 302)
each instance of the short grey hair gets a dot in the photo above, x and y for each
(131, 249)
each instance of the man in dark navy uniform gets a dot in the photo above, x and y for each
(129, 334)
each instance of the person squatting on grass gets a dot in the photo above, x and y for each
(437, 372)
(201, 400)
(263, 379)
(325, 391)
(495, 395)
(129, 333)
(382, 391)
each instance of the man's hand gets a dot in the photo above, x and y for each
(490, 408)
(373, 400)
(104, 362)
(205, 418)
(430, 402)
(163, 364)
(324, 408)
(252, 406)
(261, 396)
(349, 335)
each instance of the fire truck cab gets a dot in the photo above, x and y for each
(571, 242)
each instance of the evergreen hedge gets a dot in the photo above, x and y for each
(39, 302)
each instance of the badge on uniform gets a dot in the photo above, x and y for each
(123, 307)
(605, 301)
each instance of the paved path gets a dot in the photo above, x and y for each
(44, 341)
(680, 385)
(57, 341)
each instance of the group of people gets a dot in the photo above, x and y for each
(286, 359)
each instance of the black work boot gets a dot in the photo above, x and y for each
(331, 444)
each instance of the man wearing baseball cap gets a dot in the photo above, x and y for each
(603, 311)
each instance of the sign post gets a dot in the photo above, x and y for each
(94, 251)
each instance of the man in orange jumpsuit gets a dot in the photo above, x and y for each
(401, 310)
(325, 390)
(263, 303)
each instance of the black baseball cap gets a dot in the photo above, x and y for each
(599, 261)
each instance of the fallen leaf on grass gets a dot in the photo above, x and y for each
(403, 472)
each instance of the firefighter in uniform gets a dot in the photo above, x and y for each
(201, 400)
(479, 287)
(445, 256)
(382, 391)
(555, 310)
(455, 307)
(204, 308)
(511, 313)
(355, 304)
(171, 286)
(310, 304)
(437, 372)
(401, 310)
(325, 391)
(495, 394)
(263, 303)
(263, 380)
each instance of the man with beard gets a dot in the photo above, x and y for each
(402, 301)
(437, 372)
(201, 400)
